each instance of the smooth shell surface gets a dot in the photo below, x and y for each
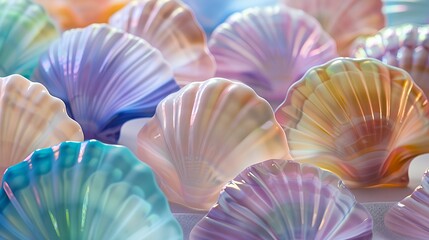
(30, 118)
(106, 77)
(399, 12)
(270, 48)
(204, 135)
(171, 27)
(84, 191)
(361, 119)
(280, 199)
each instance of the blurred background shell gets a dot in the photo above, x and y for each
(171, 27)
(30, 118)
(106, 77)
(269, 49)
(84, 191)
(361, 119)
(204, 135)
(399, 12)
(280, 199)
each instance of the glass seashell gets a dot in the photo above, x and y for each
(26, 32)
(84, 190)
(284, 43)
(171, 27)
(30, 118)
(106, 77)
(279, 199)
(405, 46)
(399, 12)
(344, 20)
(204, 135)
(361, 119)
(409, 217)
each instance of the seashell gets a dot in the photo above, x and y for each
(409, 217)
(270, 48)
(30, 118)
(204, 135)
(363, 120)
(105, 77)
(344, 20)
(171, 27)
(405, 46)
(26, 32)
(84, 191)
(399, 12)
(280, 199)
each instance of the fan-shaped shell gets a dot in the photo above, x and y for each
(105, 77)
(204, 135)
(270, 48)
(30, 118)
(172, 28)
(361, 119)
(26, 32)
(344, 20)
(280, 199)
(84, 191)
(410, 217)
(399, 12)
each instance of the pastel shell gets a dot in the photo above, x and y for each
(269, 49)
(204, 135)
(171, 27)
(106, 77)
(280, 199)
(399, 12)
(30, 118)
(84, 191)
(361, 119)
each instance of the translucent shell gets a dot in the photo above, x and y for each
(105, 77)
(204, 135)
(344, 20)
(410, 217)
(172, 28)
(361, 119)
(399, 12)
(280, 199)
(270, 48)
(26, 32)
(84, 191)
(30, 119)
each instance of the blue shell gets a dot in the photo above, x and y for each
(399, 12)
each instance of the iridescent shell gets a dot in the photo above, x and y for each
(280, 199)
(361, 119)
(410, 217)
(270, 48)
(30, 118)
(344, 20)
(26, 32)
(405, 46)
(105, 77)
(204, 135)
(171, 27)
(84, 191)
(399, 12)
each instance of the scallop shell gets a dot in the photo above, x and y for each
(30, 118)
(280, 199)
(172, 28)
(26, 32)
(204, 135)
(270, 48)
(105, 77)
(344, 20)
(409, 217)
(84, 191)
(361, 119)
(399, 12)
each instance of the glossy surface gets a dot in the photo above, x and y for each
(204, 135)
(270, 48)
(361, 119)
(30, 118)
(171, 27)
(399, 12)
(280, 199)
(106, 77)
